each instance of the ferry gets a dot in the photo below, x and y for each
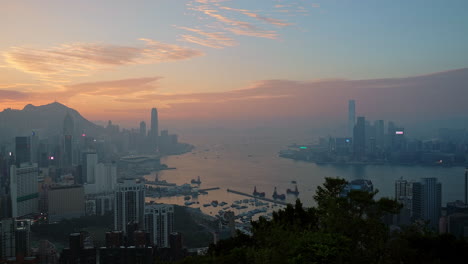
(259, 194)
(295, 192)
(197, 181)
(278, 196)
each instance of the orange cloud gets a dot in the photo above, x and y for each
(80, 59)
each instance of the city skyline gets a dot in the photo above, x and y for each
(199, 55)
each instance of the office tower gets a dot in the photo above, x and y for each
(154, 132)
(427, 201)
(34, 147)
(105, 175)
(68, 125)
(89, 162)
(23, 149)
(129, 203)
(24, 189)
(143, 129)
(351, 117)
(379, 134)
(359, 138)
(159, 222)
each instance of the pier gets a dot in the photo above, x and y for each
(256, 197)
(209, 189)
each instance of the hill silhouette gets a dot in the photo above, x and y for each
(45, 120)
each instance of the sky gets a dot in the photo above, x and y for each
(215, 59)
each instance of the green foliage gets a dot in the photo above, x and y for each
(341, 229)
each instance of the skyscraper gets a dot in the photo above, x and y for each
(154, 132)
(68, 128)
(129, 204)
(351, 117)
(159, 222)
(359, 138)
(23, 149)
(427, 201)
(24, 189)
(379, 134)
(143, 129)
(89, 162)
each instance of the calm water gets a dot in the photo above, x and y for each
(242, 162)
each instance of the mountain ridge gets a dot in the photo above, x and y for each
(46, 120)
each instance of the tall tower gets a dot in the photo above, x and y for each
(351, 117)
(129, 204)
(154, 132)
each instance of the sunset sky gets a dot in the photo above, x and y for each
(115, 59)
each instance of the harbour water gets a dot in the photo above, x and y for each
(241, 162)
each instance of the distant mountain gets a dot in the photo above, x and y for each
(46, 120)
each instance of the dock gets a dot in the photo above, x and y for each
(257, 197)
(209, 189)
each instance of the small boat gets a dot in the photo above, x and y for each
(214, 203)
(293, 182)
(206, 205)
(187, 198)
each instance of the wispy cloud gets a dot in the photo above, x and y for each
(236, 21)
(61, 62)
(273, 21)
(215, 40)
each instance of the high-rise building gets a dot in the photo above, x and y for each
(14, 238)
(22, 237)
(359, 138)
(129, 204)
(159, 222)
(24, 189)
(23, 149)
(89, 162)
(351, 117)
(7, 238)
(143, 129)
(154, 132)
(105, 175)
(404, 195)
(427, 201)
(379, 134)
